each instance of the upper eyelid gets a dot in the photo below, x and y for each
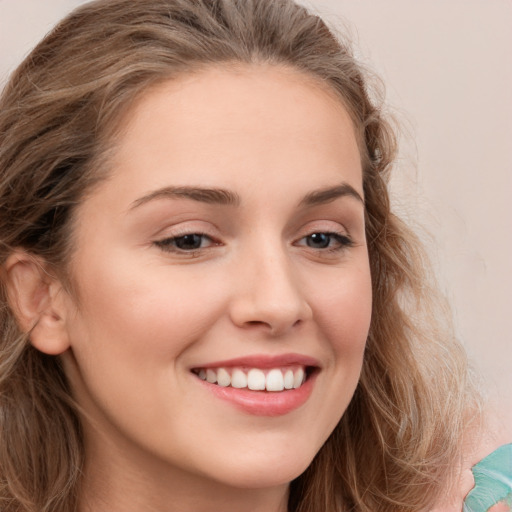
(212, 230)
(175, 236)
(189, 227)
(323, 226)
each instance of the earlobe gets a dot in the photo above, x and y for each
(35, 298)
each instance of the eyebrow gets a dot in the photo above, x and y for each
(203, 195)
(326, 195)
(227, 197)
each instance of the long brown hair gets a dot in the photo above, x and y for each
(400, 439)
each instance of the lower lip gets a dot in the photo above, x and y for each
(263, 403)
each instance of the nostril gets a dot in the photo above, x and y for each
(274, 327)
(268, 312)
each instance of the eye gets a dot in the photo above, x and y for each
(326, 240)
(189, 242)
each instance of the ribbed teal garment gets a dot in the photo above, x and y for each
(493, 481)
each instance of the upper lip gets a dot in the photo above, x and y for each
(263, 361)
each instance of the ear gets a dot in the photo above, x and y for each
(38, 302)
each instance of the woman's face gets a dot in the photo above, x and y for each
(229, 245)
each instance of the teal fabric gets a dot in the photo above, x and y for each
(493, 481)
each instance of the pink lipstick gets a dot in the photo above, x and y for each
(261, 385)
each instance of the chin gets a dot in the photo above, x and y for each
(263, 471)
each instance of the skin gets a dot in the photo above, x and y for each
(145, 313)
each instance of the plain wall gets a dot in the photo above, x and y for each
(448, 73)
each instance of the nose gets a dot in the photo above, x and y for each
(269, 295)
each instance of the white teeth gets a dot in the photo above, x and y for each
(298, 378)
(275, 380)
(288, 379)
(223, 378)
(239, 379)
(211, 376)
(256, 380)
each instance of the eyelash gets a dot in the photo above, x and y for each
(343, 241)
(171, 244)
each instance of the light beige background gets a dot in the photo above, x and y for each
(448, 72)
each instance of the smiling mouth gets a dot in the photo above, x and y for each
(256, 379)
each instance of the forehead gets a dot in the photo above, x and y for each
(237, 122)
(223, 85)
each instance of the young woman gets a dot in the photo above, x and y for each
(207, 303)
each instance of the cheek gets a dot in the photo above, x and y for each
(128, 339)
(344, 313)
(144, 321)
(138, 299)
